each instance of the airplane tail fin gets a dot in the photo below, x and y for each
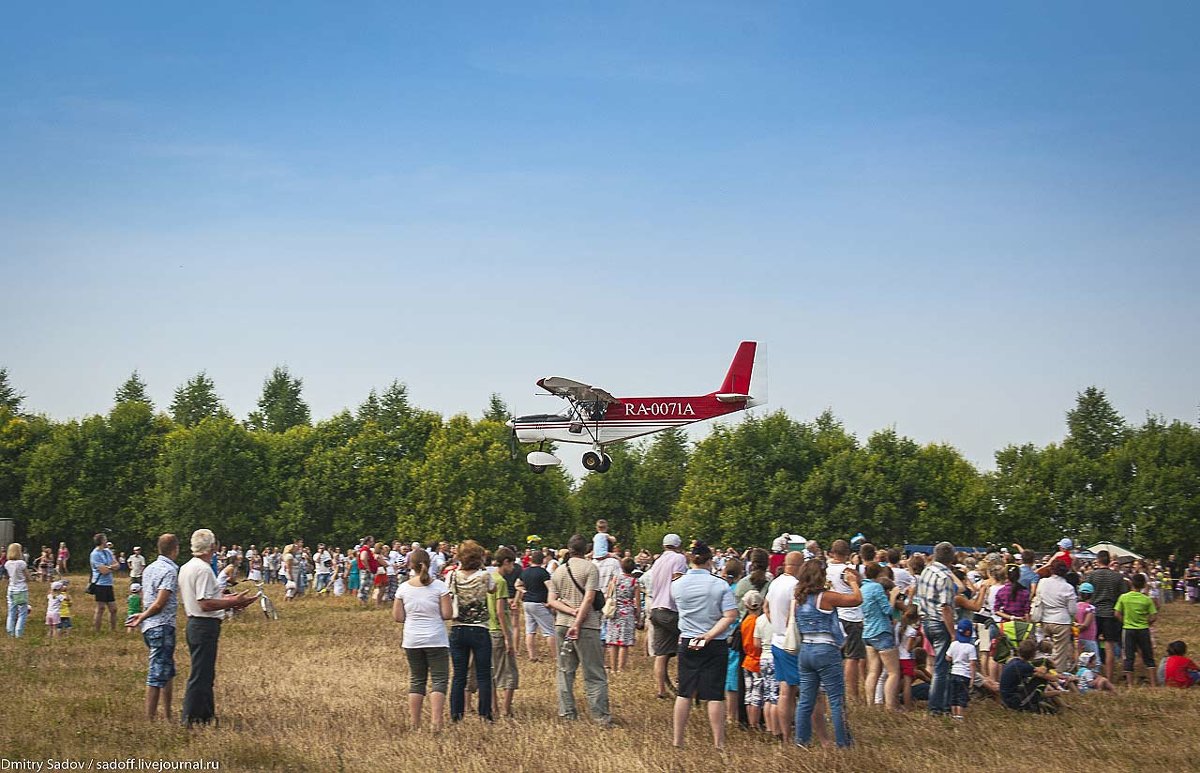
(737, 380)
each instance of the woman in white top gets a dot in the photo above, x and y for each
(18, 591)
(987, 622)
(1058, 613)
(423, 605)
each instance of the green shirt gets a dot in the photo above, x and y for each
(135, 604)
(1135, 609)
(497, 596)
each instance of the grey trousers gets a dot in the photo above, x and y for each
(586, 651)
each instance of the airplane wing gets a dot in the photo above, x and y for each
(575, 391)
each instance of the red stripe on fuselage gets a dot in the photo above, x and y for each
(653, 409)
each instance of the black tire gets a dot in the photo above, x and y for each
(538, 468)
(592, 461)
(605, 463)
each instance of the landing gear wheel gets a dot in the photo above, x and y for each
(538, 468)
(592, 461)
(605, 463)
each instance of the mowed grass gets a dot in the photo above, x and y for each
(324, 688)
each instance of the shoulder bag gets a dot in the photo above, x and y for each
(598, 601)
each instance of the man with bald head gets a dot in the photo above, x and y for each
(777, 607)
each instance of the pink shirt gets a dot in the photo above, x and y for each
(664, 570)
(1081, 611)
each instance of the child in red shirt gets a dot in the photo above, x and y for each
(1180, 670)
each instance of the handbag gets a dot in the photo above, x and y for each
(1037, 610)
(610, 604)
(597, 602)
(790, 642)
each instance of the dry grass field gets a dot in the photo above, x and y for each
(324, 689)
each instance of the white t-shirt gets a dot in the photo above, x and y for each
(423, 624)
(137, 563)
(779, 602)
(902, 577)
(54, 602)
(609, 568)
(17, 575)
(961, 654)
(764, 633)
(903, 634)
(838, 584)
(324, 561)
(197, 581)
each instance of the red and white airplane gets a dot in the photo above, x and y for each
(596, 418)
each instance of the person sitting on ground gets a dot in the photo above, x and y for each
(1086, 677)
(1181, 671)
(1020, 680)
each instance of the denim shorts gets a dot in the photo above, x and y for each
(883, 642)
(161, 641)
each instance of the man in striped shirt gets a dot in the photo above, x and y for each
(935, 600)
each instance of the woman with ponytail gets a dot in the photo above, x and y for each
(423, 605)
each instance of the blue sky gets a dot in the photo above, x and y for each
(938, 216)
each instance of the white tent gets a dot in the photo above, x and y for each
(1116, 551)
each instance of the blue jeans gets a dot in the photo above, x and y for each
(939, 689)
(821, 666)
(322, 581)
(17, 614)
(466, 640)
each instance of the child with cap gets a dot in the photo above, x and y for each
(752, 650)
(54, 608)
(1086, 676)
(962, 657)
(134, 607)
(1085, 622)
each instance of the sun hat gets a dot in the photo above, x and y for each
(672, 540)
(1065, 543)
(134, 588)
(56, 585)
(752, 600)
(1086, 587)
(965, 630)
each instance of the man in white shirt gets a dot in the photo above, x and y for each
(900, 575)
(780, 594)
(137, 564)
(205, 607)
(854, 651)
(324, 570)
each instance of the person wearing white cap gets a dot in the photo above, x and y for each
(669, 566)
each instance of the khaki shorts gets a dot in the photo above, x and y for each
(666, 632)
(504, 665)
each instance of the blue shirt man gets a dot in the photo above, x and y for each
(163, 574)
(101, 556)
(702, 599)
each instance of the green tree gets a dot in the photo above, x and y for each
(497, 410)
(1094, 426)
(468, 485)
(212, 476)
(662, 473)
(280, 407)
(20, 437)
(197, 400)
(10, 398)
(133, 390)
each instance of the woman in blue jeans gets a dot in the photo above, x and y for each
(469, 637)
(820, 656)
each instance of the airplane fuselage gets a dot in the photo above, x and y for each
(631, 417)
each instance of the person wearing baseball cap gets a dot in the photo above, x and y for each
(664, 614)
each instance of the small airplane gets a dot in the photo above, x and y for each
(594, 417)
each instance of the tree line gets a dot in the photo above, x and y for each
(391, 468)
